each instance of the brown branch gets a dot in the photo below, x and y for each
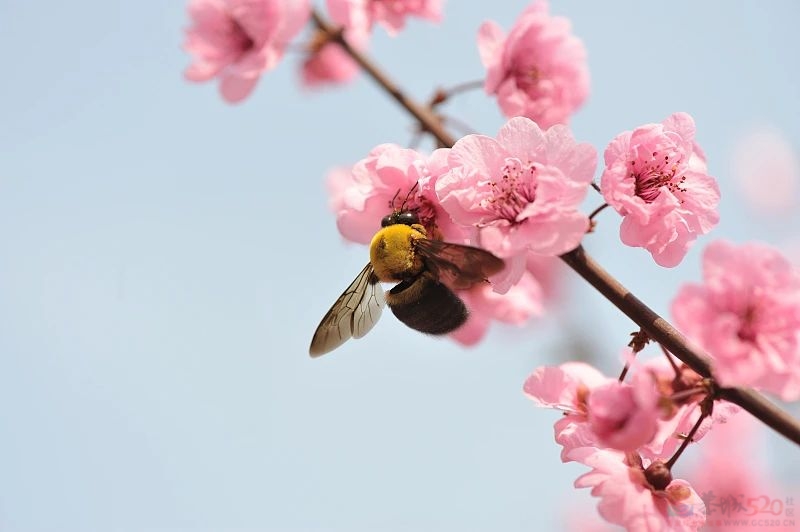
(654, 325)
(597, 211)
(442, 95)
(427, 119)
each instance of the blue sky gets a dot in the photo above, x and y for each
(165, 257)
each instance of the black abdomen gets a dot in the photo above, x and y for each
(427, 305)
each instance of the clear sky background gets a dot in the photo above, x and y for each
(165, 258)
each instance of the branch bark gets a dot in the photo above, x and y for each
(654, 325)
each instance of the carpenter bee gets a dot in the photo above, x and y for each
(426, 272)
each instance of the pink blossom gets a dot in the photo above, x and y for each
(539, 70)
(567, 388)
(564, 387)
(328, 63)
(391, 14)
(628, 496)
(746, 314)
(521, 191)
(655, 177)
(522, 302)
(651, 415)
(238, 40)
(549, 273)
(535, 292)
(389, 178)
(767, 169)
(624, 416)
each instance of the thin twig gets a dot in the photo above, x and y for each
(597, 211)
(624, 372)
(671, 361)
(678, 396)
(445, 94)
(685, 443)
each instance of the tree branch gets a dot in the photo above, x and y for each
(427, 118)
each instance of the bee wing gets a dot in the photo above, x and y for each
(456, 265)
(353, 314)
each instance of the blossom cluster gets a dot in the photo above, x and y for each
(539, 70)
(517, 195)
(626, 432)
(239, 40)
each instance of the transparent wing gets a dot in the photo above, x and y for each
(353, 314)
(458, 266)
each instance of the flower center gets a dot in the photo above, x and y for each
(238, 37)
(527, 78)
(657, 172)
(514, 191)
(747, 329)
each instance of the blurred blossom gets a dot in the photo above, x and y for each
(746, 314)
(522, 302)
(767, 170)
(362, 15)
(238, 40)
(731, 492)
(327, 63)
(539, 70)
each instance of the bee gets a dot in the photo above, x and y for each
(426, 272)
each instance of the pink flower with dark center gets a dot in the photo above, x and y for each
(539, 70)
(520, 192)
(238, 40)
(639, 496)
(747, 316)
(391, 14)
(656, 178)
(567, 388)
(599, 411)
(391, 178)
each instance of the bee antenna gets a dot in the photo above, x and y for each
(391, 203)
(403, 206)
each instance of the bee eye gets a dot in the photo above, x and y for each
(386, 221)
(407, 218)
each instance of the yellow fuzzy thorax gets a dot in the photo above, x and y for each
(392, 252)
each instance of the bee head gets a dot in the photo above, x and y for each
(400, 217)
